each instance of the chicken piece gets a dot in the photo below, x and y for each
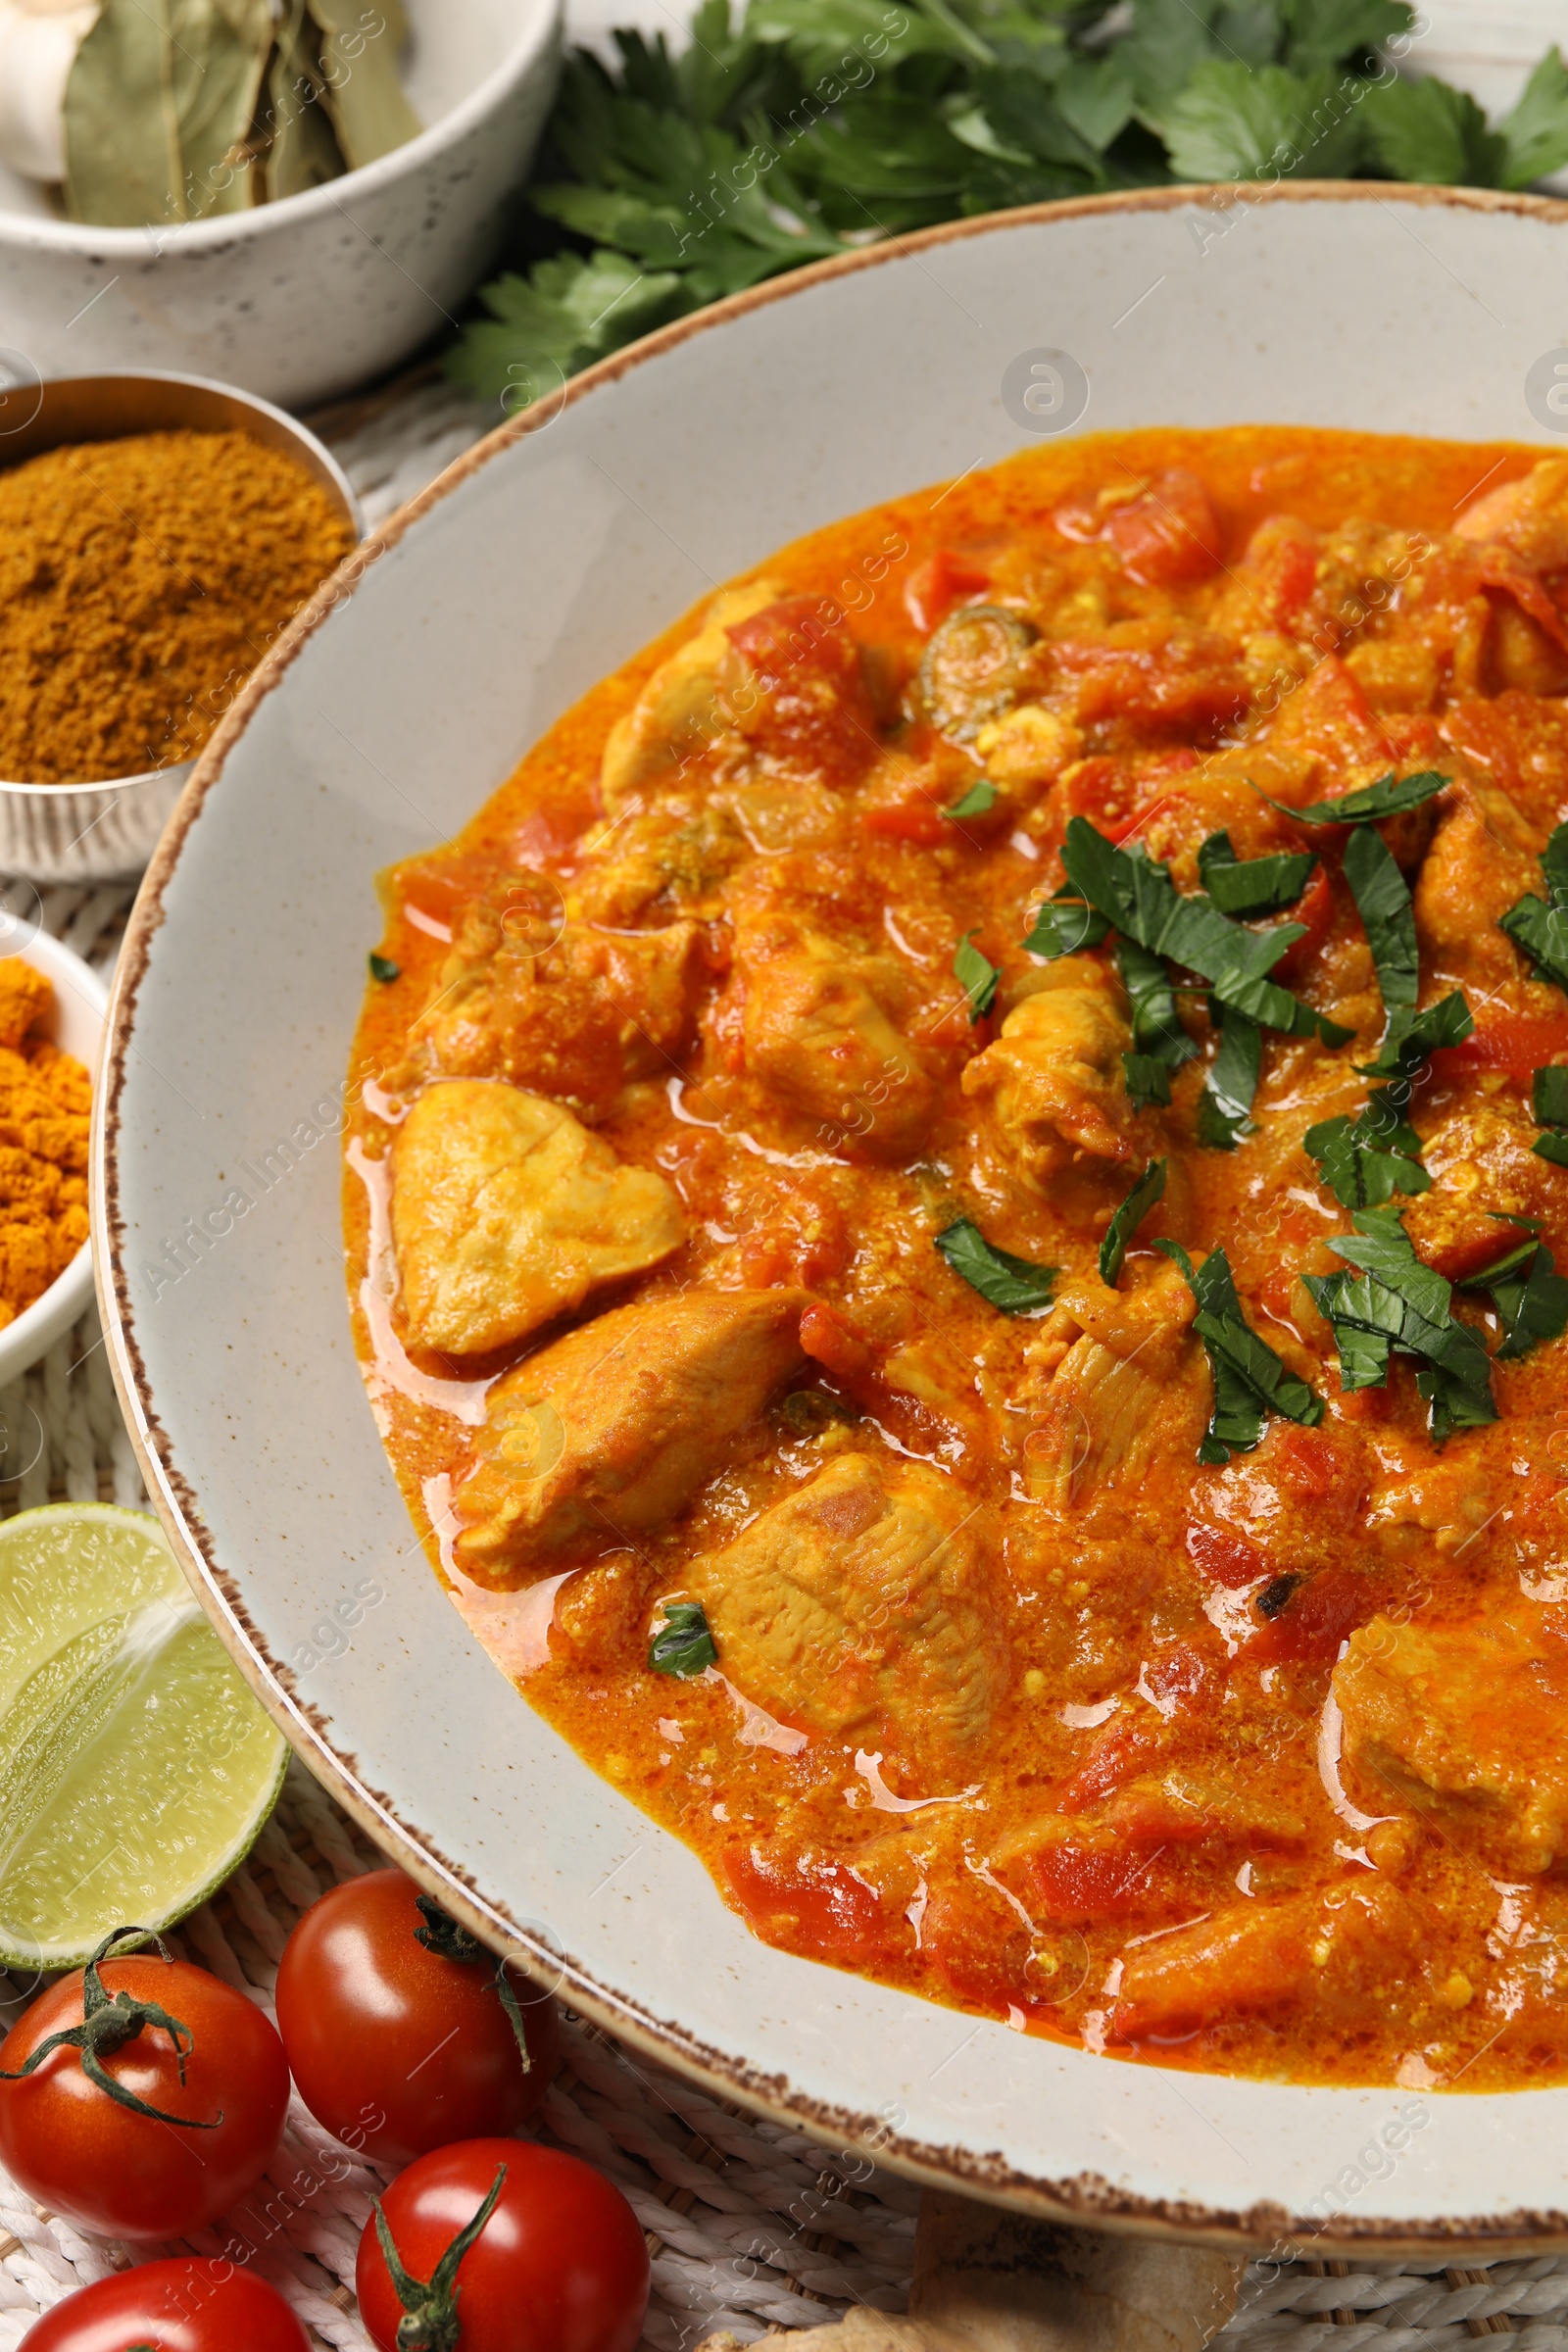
(863, 1605)
(1128, 1389)
(1483, 856)
(687, 702)
(1468, 1725)
(819, 1033)
(1053, 1081)
(611, 1429)
(506, 1211)
(1350, 1954)
(560, 1008)
(1030, 746)
(667, 858)
(26, 996)
(1480, 1162)
(1529, 515)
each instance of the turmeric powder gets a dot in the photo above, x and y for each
(45, 1100)
(141, 580)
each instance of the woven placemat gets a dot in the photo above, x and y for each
(750, 2226)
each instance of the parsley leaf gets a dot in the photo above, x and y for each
(1147, 1188)
(1328, 32)
(1390, 795)
(1429, 131)
(1225, 1106)
(1549, 1096)
(1366, 1163)
(1540, 926)
(1413, 1038)
(383, 968)
(569, 311)
(1160, 1044)
(1252, 885)
(980, 797)
(1016, 1285)
(1250, 1380)
(1139, 897)
(683, 1644)
(1063, 925)
(977, 975)
(1536, 133)
(1234, 121)
(1387, 914)
(1529, 1295)
(1396, 1302)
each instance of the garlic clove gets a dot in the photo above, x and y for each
(38, 44)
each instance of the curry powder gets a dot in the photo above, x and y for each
(45, 1102)
(141, 580)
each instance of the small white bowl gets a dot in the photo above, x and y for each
(307, 297)
(107, 828)
(76, 1026)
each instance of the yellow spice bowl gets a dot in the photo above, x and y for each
(107, 829)
(76, 1026)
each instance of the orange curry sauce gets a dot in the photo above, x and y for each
(1256, 1765)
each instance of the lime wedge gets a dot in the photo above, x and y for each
(135, 1767)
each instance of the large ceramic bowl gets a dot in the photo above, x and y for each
(307, 297)
(534, 565)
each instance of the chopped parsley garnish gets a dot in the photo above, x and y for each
(1252, 885)
(1136, 896)
(1548, 1097)
(1395, 1301)
(1146, 1190)
(1366, 1162)
(1251, 1381)
(1225, 1106)
(1016, 1285)
(1383, 900)
(1160, 1044)
(1540, 926)
(977, 975)
(1065, 926)
(383, 968)
(1390, 795)
(976, 801)
(683, 1644)
(1413, 1038)
(1529, 1296)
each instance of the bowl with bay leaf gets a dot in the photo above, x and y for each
(290, 195)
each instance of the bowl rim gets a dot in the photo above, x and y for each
(42, 234)
(293, 429)
(1084, 2202)
(55, 1309)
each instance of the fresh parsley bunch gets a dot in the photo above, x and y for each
(810, 127)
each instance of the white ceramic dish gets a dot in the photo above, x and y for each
(82, 1004)
(533, 567)
(302, 300)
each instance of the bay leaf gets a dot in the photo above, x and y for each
(159, 101)
(361, 41)
(303, 150)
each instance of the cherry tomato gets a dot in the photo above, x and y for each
(395, 2028)
(85, 2152)
(558, 2264)
(183, 2306)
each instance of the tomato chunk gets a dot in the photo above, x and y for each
(807, 1904)
(1304, 1620)
(814, 708)
(1168, 535)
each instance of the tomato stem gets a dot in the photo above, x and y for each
(107, 2024)
(429, 2321)
(448, 1939)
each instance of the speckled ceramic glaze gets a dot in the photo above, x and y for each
(533, 567)
(302, 300)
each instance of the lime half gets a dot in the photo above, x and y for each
(135, 1767)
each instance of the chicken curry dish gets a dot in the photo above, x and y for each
(954, 1198)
